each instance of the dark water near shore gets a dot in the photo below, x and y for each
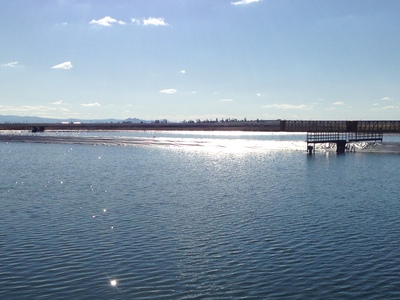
(220, 216)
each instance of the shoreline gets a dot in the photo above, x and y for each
(268, 126)
(377, 148)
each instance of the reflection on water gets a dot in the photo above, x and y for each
(209, 141)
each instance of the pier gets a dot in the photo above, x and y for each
(341, 132)
(341, 139)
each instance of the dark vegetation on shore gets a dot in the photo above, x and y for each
(232, 125)
(201, 126)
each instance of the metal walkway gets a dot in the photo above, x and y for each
(340, 139)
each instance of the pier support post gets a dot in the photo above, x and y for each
(340, 146)
(310, 150)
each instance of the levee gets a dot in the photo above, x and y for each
(340, 126)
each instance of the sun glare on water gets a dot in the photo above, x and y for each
(113, 282)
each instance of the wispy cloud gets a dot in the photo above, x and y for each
(335, 105)
(182, 71)
(149, 21)
(95, 104)
(289, 106)
(107, 22)
(155, 22)
(386, 99)
(38, 110)
(63, 66)
(169, 91)
(11, 64)
(59, 102)
(390, 107)
(244, 2)
(260, 95)
(135, 21)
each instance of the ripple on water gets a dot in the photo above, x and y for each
(184, 225)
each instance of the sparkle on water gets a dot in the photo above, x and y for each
(113, 282)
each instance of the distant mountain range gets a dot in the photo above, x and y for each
(32, 119)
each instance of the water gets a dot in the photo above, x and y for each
(209, 216)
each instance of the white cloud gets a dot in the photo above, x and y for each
(57, 102)
(155, 22)
(11, 64)
(244, 2)
(182, 71)
(260, 95)
(169, 91)
(64, 66)
(386, 99)
(378, 107)
(106, 21)
(338, 103)
(96, 104)
(38, 110)
(289, 106)
(135, 21)
(389, 107)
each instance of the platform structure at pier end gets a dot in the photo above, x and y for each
(340, 132)
(340, 139)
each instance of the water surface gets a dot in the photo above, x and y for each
(202, 217)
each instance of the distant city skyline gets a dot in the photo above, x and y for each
(187, 60)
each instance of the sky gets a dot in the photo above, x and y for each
(200, 59)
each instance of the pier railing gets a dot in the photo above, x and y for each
(325, 137)
(365, 136)
(341, 139)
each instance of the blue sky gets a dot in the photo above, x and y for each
(200, 59)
